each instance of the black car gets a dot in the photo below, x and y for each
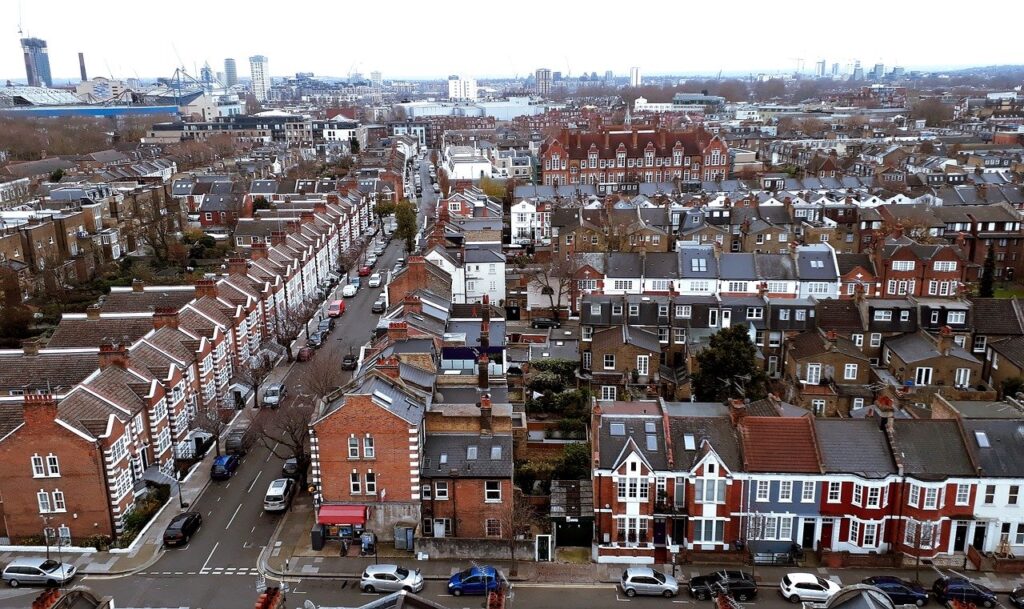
(349, 362)
(378, 306)
(1017, 597)
(293, 468)
(901, 592)
(962, 589)
(544, 322)
(181, 528)
(738, 584)
(316, 339)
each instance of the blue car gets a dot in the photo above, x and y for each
(224, 467)
(475, 580)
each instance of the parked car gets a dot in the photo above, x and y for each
(274, 395)
(349, 291)
(390, 578)
(738, 584)
(279, 495)
(475, 580)
(224, 467)
(336, 308)
(349, 362)
(378, 306)
(900, 591)
(181, 528)
(544, 322)
(305, 354)
(325, 325)
(364, 271)
(375, 280)
(962, 589)
(43, 571)
(1017, 597)
(293, 468)
(797, 587)
(645, 580)
(316, 339)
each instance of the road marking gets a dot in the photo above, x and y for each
(211, 554)
(233, 516)
(254, 481)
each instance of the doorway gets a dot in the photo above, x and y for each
(807, 537)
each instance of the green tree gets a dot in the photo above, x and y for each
(986, 288)
(728, 368)
(405, 216)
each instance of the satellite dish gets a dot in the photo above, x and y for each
(309, 604)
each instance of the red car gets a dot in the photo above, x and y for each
(365, 271)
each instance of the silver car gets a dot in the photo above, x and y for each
(644, 580)
(390, 578)
(41, 571)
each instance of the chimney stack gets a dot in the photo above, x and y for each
(398, 330)
(206, 287)
(30, 346)
(165, 317)
(486, 422)
(113, 354)
(93, 311)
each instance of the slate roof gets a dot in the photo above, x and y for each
(996, 316)
(635, 429)
(717, 431)
(455, 447)
(84, 332)
(855, 446)
(1004, 454)
(779, 444)
(931, 448)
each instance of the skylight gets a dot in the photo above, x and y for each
(982, 439)
(689, 442)
(618, 429)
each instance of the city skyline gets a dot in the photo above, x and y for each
(139, 51)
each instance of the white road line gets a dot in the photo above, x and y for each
(258, 474)
(233, 516)
(211, 553)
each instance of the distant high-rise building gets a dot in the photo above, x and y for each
(81, 66)
(376, 79)
(878, 72)
(230, 72)
(543, 77)
(37, 62)
(820, 69)
(835, 69)
(259, 69)
(634, 77)
(461, 88)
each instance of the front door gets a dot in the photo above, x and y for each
(807, 538)
(960, 537)
(979, 536)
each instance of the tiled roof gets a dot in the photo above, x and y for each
(84, 332)
(779, 444)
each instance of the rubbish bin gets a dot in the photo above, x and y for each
(316, 537)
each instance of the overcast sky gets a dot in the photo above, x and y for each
(477, 38)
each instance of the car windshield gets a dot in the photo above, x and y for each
(402, 572)
(49, 565)
(658, 576)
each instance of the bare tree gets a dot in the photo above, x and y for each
(285, 431)
(556, 279)
(290, 321)
(255, 371)
(323, 375)
(517, 519)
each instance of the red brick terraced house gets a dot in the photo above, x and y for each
(633, 154)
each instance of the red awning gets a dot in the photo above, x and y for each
(354, 515)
